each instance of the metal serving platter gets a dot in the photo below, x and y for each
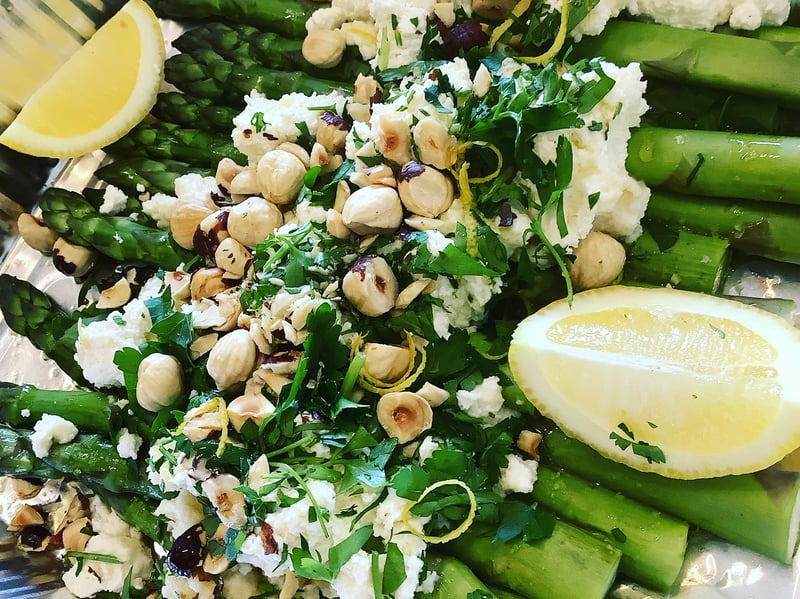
(713, 569)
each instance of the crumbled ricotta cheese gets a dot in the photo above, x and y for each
(160, 207)
(688, 14)
(599, 165)
(464, 303)
(100, 340)
(519, 476)
(280, 117)
(128, 444)
(111, 536)
(182, 512)
(48, 430)
(114, 200)
(484, 401)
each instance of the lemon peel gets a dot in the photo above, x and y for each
(558, 42)
(410, 376)
(456, 532)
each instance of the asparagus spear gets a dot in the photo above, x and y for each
(717, 163)
(137, 511)
(154, 176)
(190, 112)
(684, 260)
(653, 544)
(166, 141)
(757, 511)
(31, 313)
(23, 405)
(16, 459)
(287, 17)
(569, 563)
(682, 106)
(761, 228)
(709, 59)
(228, 81)
(118, 237)
(246, 45)
(455, 579)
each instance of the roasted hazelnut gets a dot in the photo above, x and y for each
(326, 161)
(385, 362)
(208, 282)
(252, 406)
(227, 169)
(324, 47)
(332, 131)
(374, 209)
(393, 140)
(253, 220)
(599, 261)
(232, 359)
(245, 183)
(434, 395)
(371, 286)
(233, 257)
(184, 221)
(404, 415)
(424, 190)
(35, 233)
(159, 381)
(296, 150)
(210, 233)
(334, 224)
(529, 441)
(71, 259)
(179, 285)
(434, 144)
(228, 502)
(280, 176)
(115, 296)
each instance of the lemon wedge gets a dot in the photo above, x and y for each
(678, 383)
(105, 88)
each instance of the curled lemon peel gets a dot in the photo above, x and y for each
(216, 404)
(520, 9)
(461, 150)
(558, 42)
(412, 373)
(456, 532)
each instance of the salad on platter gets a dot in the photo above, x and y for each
(420, 299)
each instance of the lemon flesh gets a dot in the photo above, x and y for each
(712, 383)
(99, 94)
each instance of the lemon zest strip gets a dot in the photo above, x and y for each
(520, 9)
(410, 376)
(558, 42)
(456, 532)
(467, 200)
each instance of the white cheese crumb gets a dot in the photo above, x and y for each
(485, 401)
(51, 429)
(128, 444)
(519, 476)
(114, 200)
(160, 207)
(100, 340)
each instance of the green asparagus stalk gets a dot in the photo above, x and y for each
(286, 17)
(709, 59)
(134, 174)
(681, 259)
(31, 313)
(16, 459)
(761, 228)
(681, 106)
(137, 511)
(717, 163)
(118, 237)
(228, 81)
(455, 579)
(94, 459)
(190, 112)
(757, 511)
(166, 141)
(246, 45)
(653, 544)
(23, 405)
(569, 563)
